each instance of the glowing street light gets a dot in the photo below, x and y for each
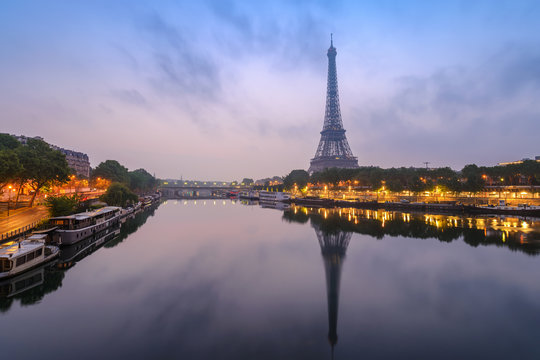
(9, 199)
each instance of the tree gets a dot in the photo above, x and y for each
(42, 166)
(141, 181)
(111, 170)
(8, 142)
(298, 177)
(247, 181)
(119, 194)
(63, 205)
(10, 167)
(395, 185)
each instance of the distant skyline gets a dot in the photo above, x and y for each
(230, 89)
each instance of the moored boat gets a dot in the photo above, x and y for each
(274, 196)
(18, 257)
(74, 228)
(523, 210)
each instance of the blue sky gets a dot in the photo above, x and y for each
(227, 89)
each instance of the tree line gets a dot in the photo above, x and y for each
(125, 184)
(122, 188)
(34, 163)
(139, 181)
(471, 178)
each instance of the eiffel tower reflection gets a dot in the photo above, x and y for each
(333, 248)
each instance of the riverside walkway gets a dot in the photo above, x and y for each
(21, 220)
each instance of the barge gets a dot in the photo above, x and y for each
(74, 228)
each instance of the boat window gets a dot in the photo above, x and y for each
(30, 256)
(39, 252)
(5, 265)
(20, 260)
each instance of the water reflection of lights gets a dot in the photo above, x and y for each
(500, 228)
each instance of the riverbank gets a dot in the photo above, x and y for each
(441, 207)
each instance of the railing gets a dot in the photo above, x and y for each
(18, 232)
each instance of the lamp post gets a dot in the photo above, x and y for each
(9, 199)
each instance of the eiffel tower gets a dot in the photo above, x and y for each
(333, 149)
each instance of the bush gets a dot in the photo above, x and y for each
(119, 195)
(62, 205)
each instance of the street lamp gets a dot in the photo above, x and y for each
(9, 199)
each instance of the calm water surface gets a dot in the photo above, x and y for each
(222, 280)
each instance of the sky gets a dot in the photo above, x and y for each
(229, 89)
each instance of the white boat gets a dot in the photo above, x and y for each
(18, 257)
(274, 196)
(74, 228)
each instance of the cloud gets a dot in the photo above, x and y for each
(130, 96)
(182, 67)
(470, 113)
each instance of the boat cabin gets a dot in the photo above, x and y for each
(21, 254)
(82, 220)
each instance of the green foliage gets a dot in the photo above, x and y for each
(111, 170)
(8, 142)
(298, 177)
(119, 195)
(62, 205)
(141, 181)
(41, 165)
(10, 167)
(247, 181)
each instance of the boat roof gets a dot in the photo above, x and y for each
(14, 248)
(88, 214)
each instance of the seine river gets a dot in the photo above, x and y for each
(227, 280)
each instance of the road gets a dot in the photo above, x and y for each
(22, 217)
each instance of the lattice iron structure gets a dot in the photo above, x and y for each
(333, 149)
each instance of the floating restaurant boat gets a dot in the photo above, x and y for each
(274, 196)
(74, 228)
(18, 257)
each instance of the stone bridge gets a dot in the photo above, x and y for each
(198, 191)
